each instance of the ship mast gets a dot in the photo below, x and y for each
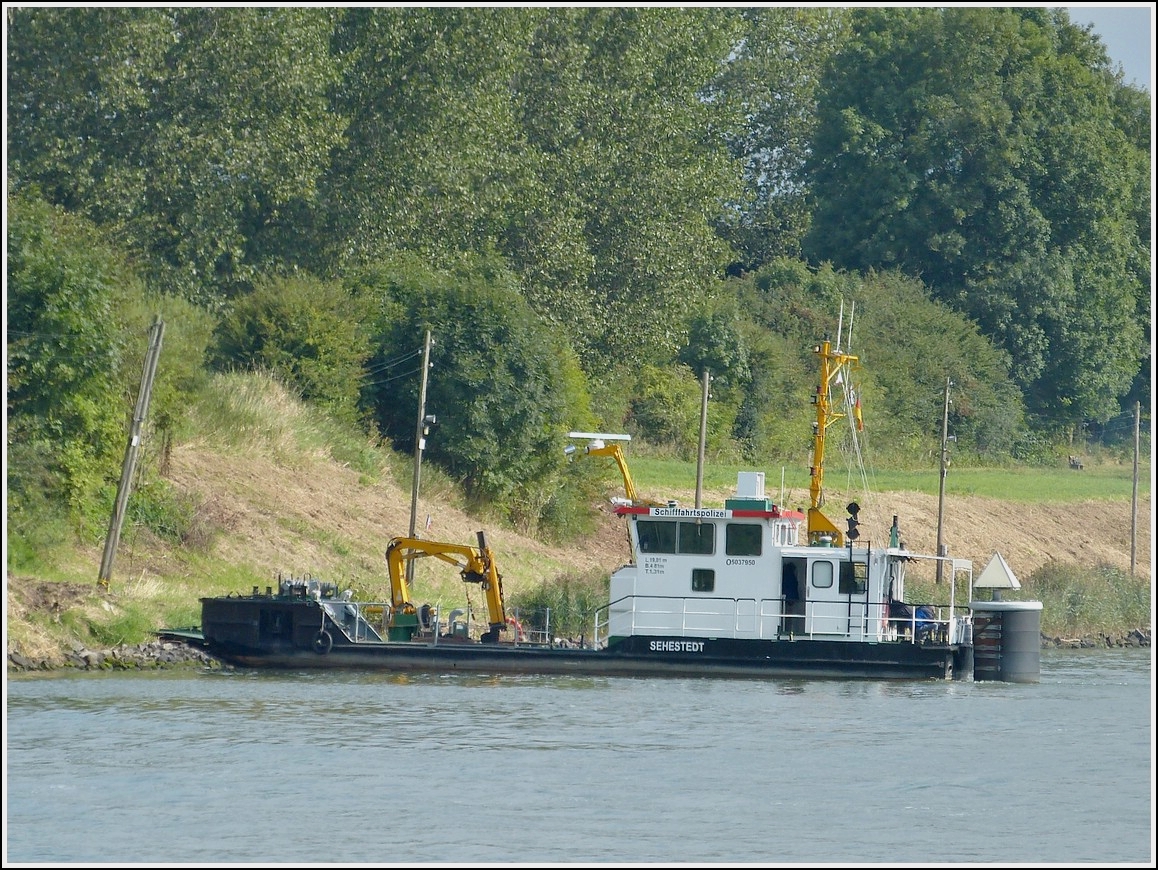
(834, 366)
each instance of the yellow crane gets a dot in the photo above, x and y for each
(476, 564)
(835, 368)
(603, 444)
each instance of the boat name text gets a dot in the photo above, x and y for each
(677, 646)
(700, 513)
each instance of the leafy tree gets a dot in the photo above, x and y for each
(789, 307)
(501, 385)
(197, 133)
(68, 393)
(308, 331)
(716, 344)
(80, 85)
(985, 151)
(911, 346)
(768, 88)
(529, 134)
(614, 107)
(665, 409)
(908, 345)
(432, 160)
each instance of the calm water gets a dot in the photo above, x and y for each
(264, 768)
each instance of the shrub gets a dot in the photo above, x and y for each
(307, 331)
(565, 606)
(1079, 600)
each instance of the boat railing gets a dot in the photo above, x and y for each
(932, 623)
(733, 618)
(359, 620)
(601, 622)
(369, 621)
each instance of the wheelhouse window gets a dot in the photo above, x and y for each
(743, 539)
(822, 575)
(698, 539)
(656, 537)
(695, 539)
(853, 578)
(703, 580)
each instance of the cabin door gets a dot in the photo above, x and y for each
(793, 595)
(837, 598)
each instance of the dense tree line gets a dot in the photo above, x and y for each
(590, 207)
(992, 158)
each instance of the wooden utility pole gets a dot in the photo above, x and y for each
(703, 438)
(156, 331)
(1134, 493)
(944, 472)
(419, 446)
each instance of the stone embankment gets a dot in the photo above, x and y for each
(154, 655)
(1139, 637)
(161, 654)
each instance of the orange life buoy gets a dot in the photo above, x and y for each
(520, 635)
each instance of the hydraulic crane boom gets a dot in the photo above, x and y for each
(599, 446)
(476, 564)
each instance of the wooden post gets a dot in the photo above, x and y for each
(156, 331)
(419, 446)
(944, 471)
(703, 438)
(1134, 493)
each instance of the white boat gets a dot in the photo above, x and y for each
(746, 589)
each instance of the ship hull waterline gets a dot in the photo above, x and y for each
(630, 657)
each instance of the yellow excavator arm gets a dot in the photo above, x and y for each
(476, 564)
(599, 446)
(616, 452)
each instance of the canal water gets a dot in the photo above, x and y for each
(221, 767)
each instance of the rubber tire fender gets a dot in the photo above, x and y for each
(323, 642)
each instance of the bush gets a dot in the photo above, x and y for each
(167, 513)
(666, 409)
(67, 379)
(503, 388)
(565, 606)
(1078, 600)
(307, 331)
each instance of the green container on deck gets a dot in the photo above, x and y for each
(405, 626)
(747, 504)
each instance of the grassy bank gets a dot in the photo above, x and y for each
(1111, 480)
(259, 485)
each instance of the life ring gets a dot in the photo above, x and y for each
(323, 643)
(520, 635)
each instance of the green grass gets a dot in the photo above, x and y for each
(655, 477)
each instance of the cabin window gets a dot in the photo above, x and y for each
(703, 580)
(853, 578)
(743, 539)
(698, 539)
(822, 575)
(656, 537)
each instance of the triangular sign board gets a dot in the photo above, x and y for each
(997, 575)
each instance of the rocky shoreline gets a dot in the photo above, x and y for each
(1139, 637)
(153, 655)
(167, 654)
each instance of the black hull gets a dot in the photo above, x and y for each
(239, 632)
